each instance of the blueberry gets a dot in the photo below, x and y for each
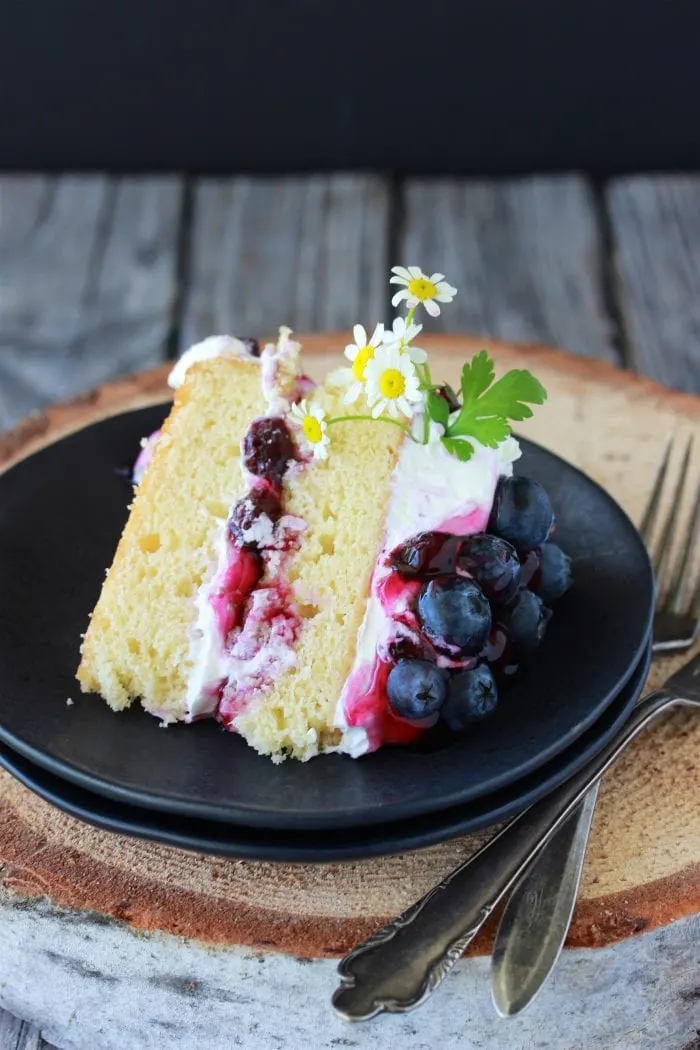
(525, 621)
(471, 696)
(554, 577)
(262, 500)
(521, 513)
(416, 689)
(493, 563)
(425, 555)
(267, 448)
(454, 615)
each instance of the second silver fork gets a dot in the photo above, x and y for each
(536, 919)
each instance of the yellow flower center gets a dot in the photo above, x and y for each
(313, 431)
(421, 288)
(360, 363)
(392, 383)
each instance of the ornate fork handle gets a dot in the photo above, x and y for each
(400, 966)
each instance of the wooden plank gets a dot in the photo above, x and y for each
(88, 282)
(19, 1035)
(308, 252)
(526, 255)
(656, 237)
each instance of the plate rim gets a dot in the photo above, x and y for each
(248, 814)
(449, 825)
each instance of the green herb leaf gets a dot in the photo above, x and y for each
(477, 376)
(459, 447)
(488, 408)
(509, 396)
(438, 408)
(490, 431)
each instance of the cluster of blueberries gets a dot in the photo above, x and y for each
(484, 598)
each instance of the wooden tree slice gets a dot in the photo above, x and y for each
(643, 866)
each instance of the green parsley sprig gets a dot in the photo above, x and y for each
(488, 408)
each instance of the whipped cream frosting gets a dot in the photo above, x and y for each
(214, 346)
(430, 490)
(207, 655)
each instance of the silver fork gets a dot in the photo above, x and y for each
(400, 966)
(536, 919)
(676, 617)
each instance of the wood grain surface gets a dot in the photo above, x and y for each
(311, 253)
(103, 276)
(655, 226)
(528, 256)
(643, 866)
(88, 283)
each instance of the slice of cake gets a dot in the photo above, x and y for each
(310, 564)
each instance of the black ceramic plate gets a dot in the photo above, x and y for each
(326, 846)
(61, 513)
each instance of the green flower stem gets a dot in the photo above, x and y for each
(372, 419)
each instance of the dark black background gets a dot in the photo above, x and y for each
(489, 87)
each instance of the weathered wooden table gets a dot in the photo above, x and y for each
(102, 276)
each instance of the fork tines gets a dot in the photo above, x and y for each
(677, 535)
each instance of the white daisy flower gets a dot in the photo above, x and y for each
(392, 383)
(420, 289)
(311, 421)
(359, 353)
(401, 336)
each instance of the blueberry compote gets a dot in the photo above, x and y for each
(461, 613)
(257, 618)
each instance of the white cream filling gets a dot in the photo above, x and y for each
(279, 372)
(207, 657)
(210, 663)
(429, 487)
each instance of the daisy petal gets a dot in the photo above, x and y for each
(399, 296)
(415, 271)
(417, 355)
(432, 307)
(359, 335)
(401, 271)
(412, 302)
(435, 278)
(377, 334)
(377, 409)
(340, 376)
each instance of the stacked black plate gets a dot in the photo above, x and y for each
(61, 513)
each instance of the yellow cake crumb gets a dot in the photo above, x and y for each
(137, 643)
